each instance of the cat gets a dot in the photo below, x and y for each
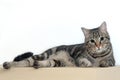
(96, 51)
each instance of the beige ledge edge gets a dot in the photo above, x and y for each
(68, 73)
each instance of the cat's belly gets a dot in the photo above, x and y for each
(64, 58)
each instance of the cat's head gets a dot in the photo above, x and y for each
(97, 40)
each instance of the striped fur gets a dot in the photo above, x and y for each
(96, 51)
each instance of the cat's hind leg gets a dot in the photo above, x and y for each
(60, 59)
(47, 63)
(24, 63)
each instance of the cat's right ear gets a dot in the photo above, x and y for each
(103, 27)
(85, 31)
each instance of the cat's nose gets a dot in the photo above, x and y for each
(98, 46)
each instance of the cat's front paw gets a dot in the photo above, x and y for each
(107, 63)
(6, 65)
(36, 64)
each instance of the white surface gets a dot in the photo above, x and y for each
(111, 73)
(36, 25)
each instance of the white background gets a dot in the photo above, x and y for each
(36, 25)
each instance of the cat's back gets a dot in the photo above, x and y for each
(71, 49)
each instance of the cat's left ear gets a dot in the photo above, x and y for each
(86, 32)
(103, 27)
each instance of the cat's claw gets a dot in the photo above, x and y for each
(6, 65)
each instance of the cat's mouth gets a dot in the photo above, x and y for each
(99, 51)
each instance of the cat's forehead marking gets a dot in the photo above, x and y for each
(95, 33)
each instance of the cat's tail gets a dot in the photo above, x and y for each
(23, 56)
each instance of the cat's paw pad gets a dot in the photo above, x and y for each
(36, 64)
(6, 65)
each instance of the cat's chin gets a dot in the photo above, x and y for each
(99, 51)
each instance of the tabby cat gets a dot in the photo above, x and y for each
(96, 51)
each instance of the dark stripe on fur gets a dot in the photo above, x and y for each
(63, 48)
(70, 49)
(57, 63)
(76, 51)
(23, 56)
(49, 52)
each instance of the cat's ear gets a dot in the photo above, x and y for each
(103, 27)
(85, 31)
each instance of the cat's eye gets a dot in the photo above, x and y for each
(102, 38)
(92, 41)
